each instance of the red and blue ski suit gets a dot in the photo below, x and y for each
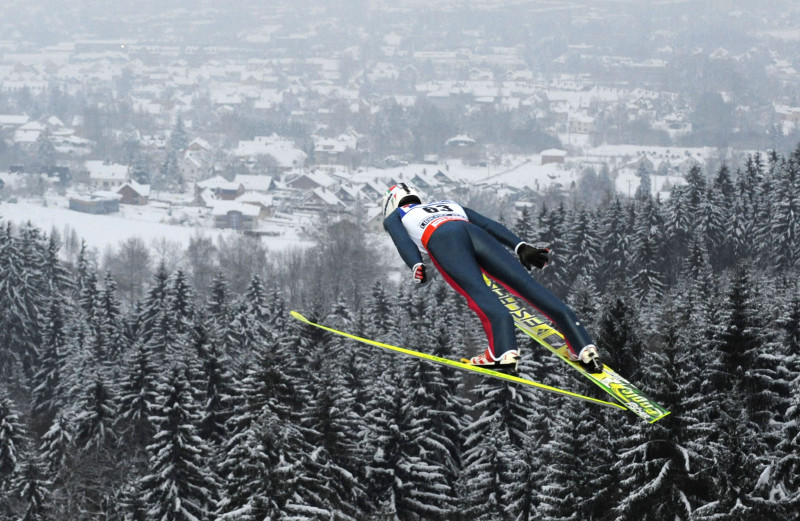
(462, 244)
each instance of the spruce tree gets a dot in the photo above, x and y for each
(137, 398)
(660, 470)
(614, 247)
(47, 387)
(646, 253)
(552, 228)
(12, 441)
(94, 421)
(23, 305)
(33, 491)
(56, 447)
(213, 385)
(784, 223)
(584, 243)
(178, 485)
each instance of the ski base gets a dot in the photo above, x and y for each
(455, 364)
(536, 327)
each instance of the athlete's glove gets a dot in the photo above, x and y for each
(530, 256)
(418, 273)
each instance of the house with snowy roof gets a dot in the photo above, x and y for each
(334, 151)
(220, 187)
(424, 181)
(553, 155)
(323, 200)
(348, 193)
(282, 152)
(106, 175)
(463, 147)
(99, 202)
(28, 134)
(373, 190)
(311, 181)
(234, 215)
(255, 183)
(12, 121)
(134, 193)
(264, 202)
(444, 178)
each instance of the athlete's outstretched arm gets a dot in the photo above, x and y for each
(495, 229)
(405, 246)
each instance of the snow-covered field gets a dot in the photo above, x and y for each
(103, 231)
(523, 171)
(157, 222)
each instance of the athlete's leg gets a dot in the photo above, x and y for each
(451, 250)
(502, 266)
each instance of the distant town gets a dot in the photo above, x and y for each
(317, 111)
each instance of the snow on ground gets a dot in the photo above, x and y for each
(521, 172)
(146, 222)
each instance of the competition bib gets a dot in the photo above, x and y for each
(420, 220)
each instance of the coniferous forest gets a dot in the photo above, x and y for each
(211, 403)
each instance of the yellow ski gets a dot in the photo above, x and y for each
(457, 365)
(536, 327)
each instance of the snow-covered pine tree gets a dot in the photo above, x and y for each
(155, 305)
(646, 252)
(179, 485)
(12, 441)
(684, 220)
(137, 399)
(58, 280)
(492, 439)
(584, 243)
(212, 382)
(743, 392)
(720, 207)
(395, 465)
(614, 247)
(430, 410)
(264, 451)
(552, 233)
(785, 475)
(94, 419)
(23, 305)
(523, 225)
(93, 474)
(57, 443)
(488, 471)
(585, 492)
(329, 479)
(661, 474)
(46, 382)
(260, 470)
(110, 325)
(32, 489)
(219, 300)
(181, 302)
(249, 328)
(784, 223)
(439, 325)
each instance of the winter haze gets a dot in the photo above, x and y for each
(175, 177)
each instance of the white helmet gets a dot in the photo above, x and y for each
(399, 195)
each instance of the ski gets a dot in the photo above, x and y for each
(538, 328)
(455, 364)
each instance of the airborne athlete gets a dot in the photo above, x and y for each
(463, 245)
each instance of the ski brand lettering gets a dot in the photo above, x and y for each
(629, 395)
(523, 317)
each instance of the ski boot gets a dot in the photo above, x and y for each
(507, 363)
(589, 360)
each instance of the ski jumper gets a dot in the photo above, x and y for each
(462, 244)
